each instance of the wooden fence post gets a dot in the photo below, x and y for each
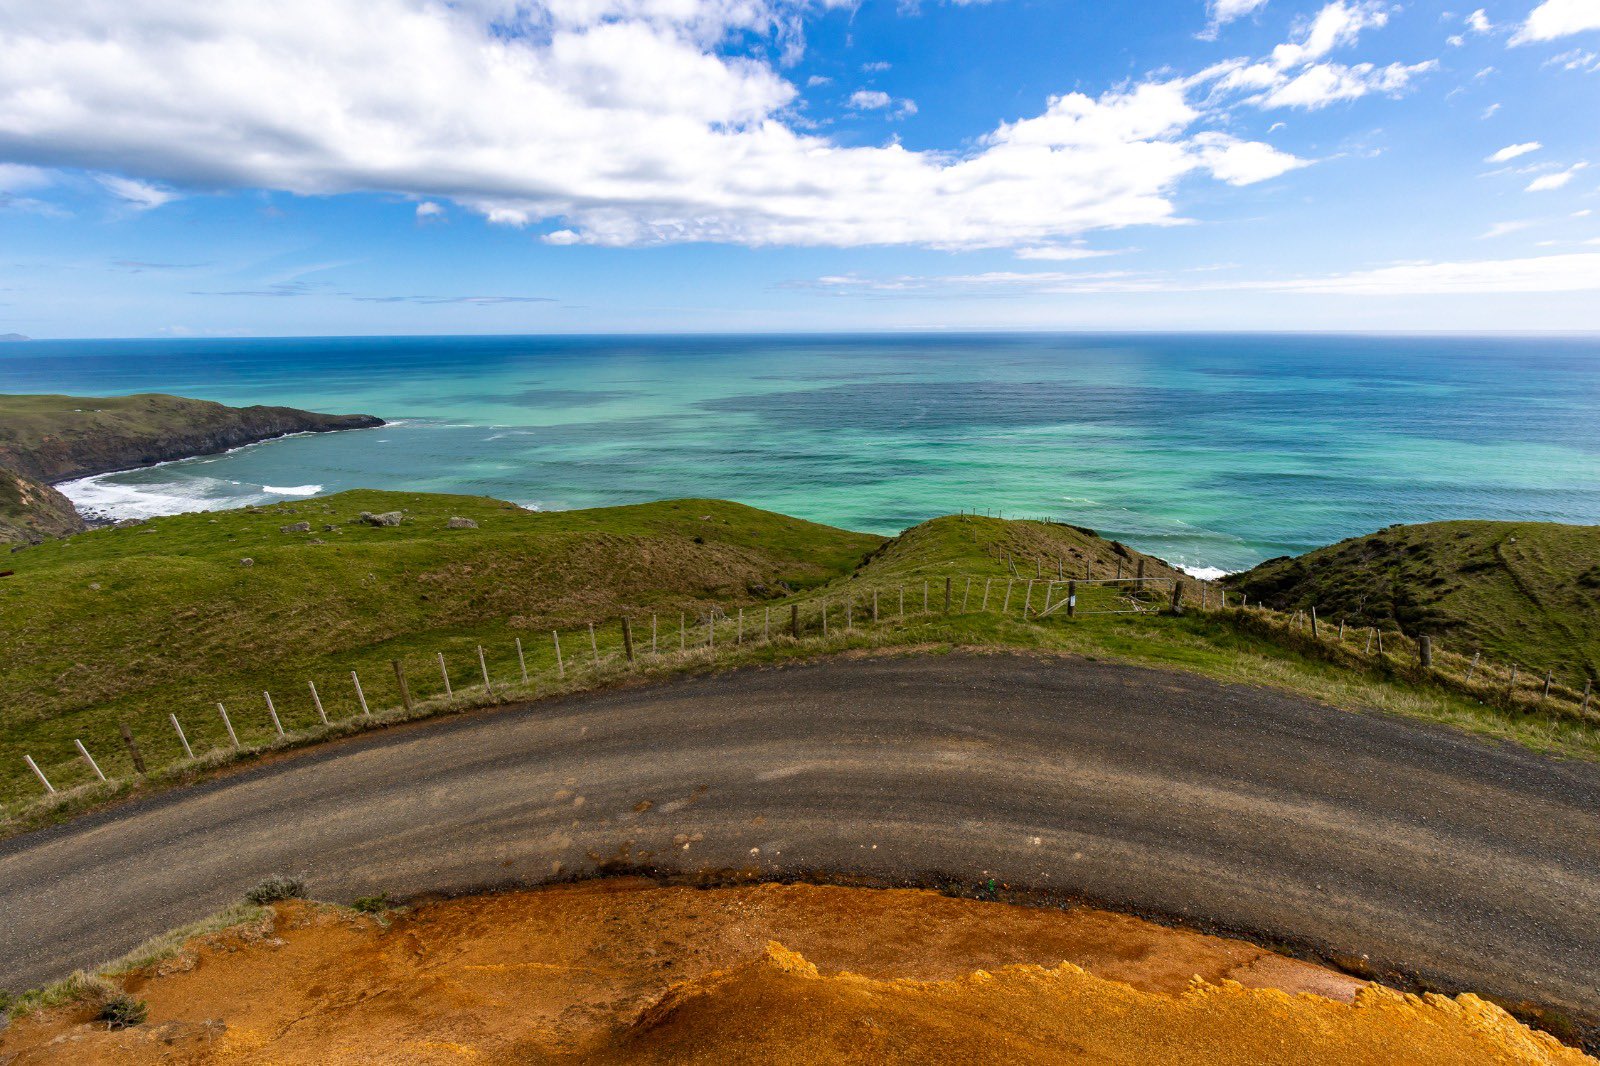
(43, 780)
(274, 711)
(1027, 599)
(874, 606)
(133, 747)
(924, 595)
(683, 632)
(1546, 694)
(400, 679)
(766, 625)
(181, 738)
(1425, 652)
(561, 667)
(1005, 608)
(1177, 597)
(483, 664)
(228, 722)
(94, 765)
(627, 638)
(522, 661)
(947, 595)
(738, 637)
(849, 613)
(594, 648)
(966, 593)
(444, 673)
(902, 603)
(1072, 598)
(824, 619)
(984, 606)
(317, 700)
(653, 633)
(1313, 621)
(1588, 684)
(794, 620)
(362, 696)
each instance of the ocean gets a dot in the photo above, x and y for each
(1212, 451)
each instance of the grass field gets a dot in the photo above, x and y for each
(1523, 592)
(131, 624)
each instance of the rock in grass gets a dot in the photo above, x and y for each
(461, 523)
(387, 518)
(296, 527)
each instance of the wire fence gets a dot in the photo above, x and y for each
(571, 658)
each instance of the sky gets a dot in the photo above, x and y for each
(342, 167)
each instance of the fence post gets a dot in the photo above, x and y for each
(1380, 643)
(947, 595)
(274, 711)
(984, 606)
(1005, 608)
(683, 632)
(924, 595)
(561, 667)
(449, 694)
(766, 625)
(483, 665)
(1474, 667)
(228, 722)
(133, 748)
(966, 593)
(1425, 652)
(316, 699)
(824, 619)
(1313, 621)
(94, 765)
(874, 606)
(849, 613)
(653, 633)
(711, 628)
(522, 661)
(794, 620)
(1072, 598)
(1368, 648)
(1140, 575)
(181, 738)
(362, 696)
(902, 603)
(1027, 600)
(1588, 683)
(594, 648)
(43, 780)
(627, 638)
(1177, 596)
(1546, 694)
(400, 679)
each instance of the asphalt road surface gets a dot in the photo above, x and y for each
(1472, 865)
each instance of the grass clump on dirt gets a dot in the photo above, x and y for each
(276, 888)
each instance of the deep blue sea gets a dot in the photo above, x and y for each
(1213, 451)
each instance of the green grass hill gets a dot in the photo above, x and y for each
(1524, 592)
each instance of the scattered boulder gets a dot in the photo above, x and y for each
(387, 518)
(296, 527)
(461, 523)
(247, 562)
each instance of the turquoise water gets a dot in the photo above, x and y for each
(1209, 450)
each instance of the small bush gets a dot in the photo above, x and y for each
(275, 888)
(123, 1011)
(372, 904)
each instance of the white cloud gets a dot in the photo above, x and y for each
(1478, 22)
(1297, 73)
(869, 100)
(1512, 151)
(428, 209)
(14, 178)
(874, 67)
(1061, 252)
(1501, 229)
(1570, 272)
(1223, 12)
(1555, 181)
(816, 80)
(614, 121)
(1490, 111)
(1559, 18)
(140, 195)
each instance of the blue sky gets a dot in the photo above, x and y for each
(218, 167)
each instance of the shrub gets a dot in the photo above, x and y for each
(275, 888)
(122, 1011)
(372, 904)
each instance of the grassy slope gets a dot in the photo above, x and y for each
(131, 623)
(177, 623)
(1527, 592)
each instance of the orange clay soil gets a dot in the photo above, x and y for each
(626, 970)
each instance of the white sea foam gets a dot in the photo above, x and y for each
(292, 490)
(100, 496)
(1205, 573)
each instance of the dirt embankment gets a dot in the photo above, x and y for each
(629, 971)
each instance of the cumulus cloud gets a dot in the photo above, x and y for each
(1512, 151)
(427, 209)
(869, 100)
(617, 121)
(1558, 18)
(1298, 74)
(1478, 22)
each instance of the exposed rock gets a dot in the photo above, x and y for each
(387, 518)
(296, 527)
(461, 523)
(247, 562)
(31, 511)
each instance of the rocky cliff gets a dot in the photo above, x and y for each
(49, 439)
